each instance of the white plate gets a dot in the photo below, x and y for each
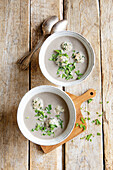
(62, 34)
(21, 108)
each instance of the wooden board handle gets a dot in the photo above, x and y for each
(86, 96)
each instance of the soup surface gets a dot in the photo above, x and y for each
(53, 66)
(46, 115)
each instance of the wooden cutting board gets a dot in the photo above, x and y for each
(78, 100)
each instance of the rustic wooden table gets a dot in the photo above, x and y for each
(20, 29)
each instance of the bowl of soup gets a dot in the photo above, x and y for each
(46, 115)
(66, 58)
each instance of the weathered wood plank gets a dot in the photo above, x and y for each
(83, 17)
(106, 9)
(13, 83)
(40, 10)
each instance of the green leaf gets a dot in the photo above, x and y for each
(89, 101)
(61, 123)
(58, 51)
(98, 134)
(97, 122)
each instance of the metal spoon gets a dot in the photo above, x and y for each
(46, 28)
(59, 26)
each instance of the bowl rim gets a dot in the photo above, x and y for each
(20, 113)
(85, 43)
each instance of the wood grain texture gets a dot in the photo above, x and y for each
(13, 82)
(106, 11)
(40, 10)
(78, 100)
(83, 17)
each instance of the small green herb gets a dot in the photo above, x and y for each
(37, 127)
(57, 116)
(82, 137)
(82, 126)
(82, 119)
(93, 121)
(88, 112)
(98, 134)
(49, 108)
(43, 134)
(61, 123)
(90, 140)
(107, 101)
(76, 125)
(100, 102)
(97, 122)
(88, 137)
(52, 126)
(71, 140)
(27, 117)
(45, 116)
(89, 101)
(97, 113)
(100, 114)
(88, 118)
(32, 130)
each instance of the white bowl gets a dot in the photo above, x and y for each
(21, 108)
(62, 34)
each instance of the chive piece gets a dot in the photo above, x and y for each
(45, 116)
(107, 101)
(43, 134)
(88, 118)
(88, 137)
(90, 140)
(93, 121)
(100, 102)
(89, 101)
(82, 126)
(82, 119)
(100, 114)
(78, 77)
(97, 112)
(82, 137)
(57, 116)
(76, 125)
(37, 127)
(97, 122)
(98, 134)
(61, 123)
(27, 117)
(50, 107)
(88, 112)
(32, 130)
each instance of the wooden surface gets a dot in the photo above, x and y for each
(78, 100)
(20, 29)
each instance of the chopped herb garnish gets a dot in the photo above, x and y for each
(100, 102)
(98, 134)
(52, 126)
(61, 123)
(97, 113)
(82, 126)
(43, 134)
(57, 116)
(48, 109)
(82, 119)
(97, 122)
(100, 114)
(82, 137)
(27, 117)
(76, 125)
(89, 101)
(88, 118)
(107, 101)
(37, 127)
(32, 130)
(88, 112)
(93, 121)
(88, 137)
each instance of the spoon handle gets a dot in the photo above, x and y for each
(25, 60)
